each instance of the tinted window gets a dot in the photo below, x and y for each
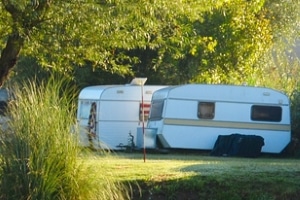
(156, 110)
(206, 110)
(3, 107)
(85, 108)
(266, 113)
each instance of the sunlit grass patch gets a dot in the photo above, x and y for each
(174, 176)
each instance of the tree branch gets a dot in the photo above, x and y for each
(9, 55)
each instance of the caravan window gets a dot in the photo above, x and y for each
(4, 100)
(85, 108)
(206, 110)
(146, 107)
(266, 113)
(3, 107)
(156, 110)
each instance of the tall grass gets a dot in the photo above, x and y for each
(39, 154)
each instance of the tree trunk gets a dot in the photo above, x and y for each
(9, 55)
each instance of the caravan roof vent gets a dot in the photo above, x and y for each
(138, 81)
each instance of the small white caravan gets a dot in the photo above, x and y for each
(192, 116)
(108, 113)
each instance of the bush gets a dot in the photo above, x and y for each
(295, 121)
(39, 155)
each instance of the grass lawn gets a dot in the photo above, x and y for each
(200, 176)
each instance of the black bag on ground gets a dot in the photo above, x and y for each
(222, 145)
(238, 145)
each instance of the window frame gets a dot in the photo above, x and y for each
(146, 107)
(156, 109)
(85, 108)
(209, 110)
(266, 113)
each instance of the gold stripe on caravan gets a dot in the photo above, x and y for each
(227, 124)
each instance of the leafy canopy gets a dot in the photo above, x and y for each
(169, 41)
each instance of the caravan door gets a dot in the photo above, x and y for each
(87, 120)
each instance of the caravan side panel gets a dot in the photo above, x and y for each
(181, 127)
(117, 120)
(118, 113)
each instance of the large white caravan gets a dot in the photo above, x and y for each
(192, 116)
(108, 113)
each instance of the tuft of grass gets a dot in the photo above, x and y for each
(39, 154)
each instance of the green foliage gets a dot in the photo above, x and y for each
(169, 42)
(284, 17)
(295, 117)
(237, 34)
(293, 148)
(39, 154)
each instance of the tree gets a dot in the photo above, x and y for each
(104, 34)
(20, 19)
(170, 41)
(236, 37)
(281, 61)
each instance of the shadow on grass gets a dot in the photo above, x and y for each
(230, 186)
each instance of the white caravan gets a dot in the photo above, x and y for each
(192, 116)
(108, 113)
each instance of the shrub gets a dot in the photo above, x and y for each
(39, 154)
(295, 121)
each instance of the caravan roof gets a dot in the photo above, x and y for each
(223, 93)
(115, 92)
(93, 92)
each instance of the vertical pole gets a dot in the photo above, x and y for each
(143, 121)
(141, 82)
